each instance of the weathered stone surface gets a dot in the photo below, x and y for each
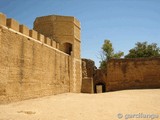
(87, 85)
(57, 45)
(133, 73)
(53, 43)
(122, 74)
(41, 38)
(33, 34)
(2, 19)
(48, 41)
(100, 78)
(88, 70)
(62, 29)
(29, 68)
(23, 29)
(65, 30)
(11, 23)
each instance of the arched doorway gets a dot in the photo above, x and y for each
(67, 48)
(100, 88)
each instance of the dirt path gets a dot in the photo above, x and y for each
(70, 106)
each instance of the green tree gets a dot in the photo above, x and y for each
(108, 53)
(143, 49)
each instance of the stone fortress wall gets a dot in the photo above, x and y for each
(39, 62)
(138, 73)
(88, 71)
(46, 61)
(121, 74)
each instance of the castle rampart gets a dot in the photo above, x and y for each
(121, 74)
(139, 73)
(33, 65)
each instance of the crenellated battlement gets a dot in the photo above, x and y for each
(41, 61)
(12, 24)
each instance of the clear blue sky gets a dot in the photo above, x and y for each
(124, 22)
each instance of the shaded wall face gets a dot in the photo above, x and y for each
(87, 85)
(100, 78)
(29, 69)
(133, 73)
(88, 69)
(92, 77)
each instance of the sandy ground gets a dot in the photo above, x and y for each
(118, 105)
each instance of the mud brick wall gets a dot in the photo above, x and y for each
(32, 65)
(100, 78)
(29, 69)
(133, 74)
(64, 30)
(88, 70)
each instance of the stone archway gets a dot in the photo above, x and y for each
(66, 47)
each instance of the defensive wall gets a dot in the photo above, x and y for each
(121, 74)
(46, 60)
(88, 71)
(35, 64)
(139, 73)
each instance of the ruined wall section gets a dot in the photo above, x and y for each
(88, 72)
(30, 64)
(100, 78)
(133, 73)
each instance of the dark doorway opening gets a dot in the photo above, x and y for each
(67, 48)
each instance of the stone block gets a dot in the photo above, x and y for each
(13, 24)
(33, 34)
(48, 41)
(41, 38)
(87, 85)
(31, 69)
(23, 29)
(2, 19)
(57, 45)
(53, 43)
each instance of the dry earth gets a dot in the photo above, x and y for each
(70, 106)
